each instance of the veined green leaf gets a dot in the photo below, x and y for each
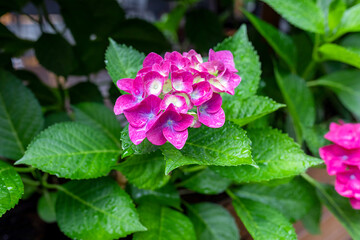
(122, 61)
(350, 22)
(242, 111)
(20, 116)
(164, 223)
(72, 150)
(225, 146)
(246, 61)
(275, 153)
(11, 187)
(280, 42)
(145, 171)
(212, 222)
(96, 209)
(302, 13)
(335, 52)
(46, 207)
(100, 117)
(262, 221)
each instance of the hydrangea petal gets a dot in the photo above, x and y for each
(125, 84)
(346, 135)
(355, 203)
(224, 56)
(176, 138)
(124, 102)
(182, 82)
(137, 135)
(184, 123)
(151, 59)
(213, 120)
(178, 101)
(214, 104)
(201, 93)
(154, 82)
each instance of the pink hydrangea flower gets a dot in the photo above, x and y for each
(343, 159)
(176, 92)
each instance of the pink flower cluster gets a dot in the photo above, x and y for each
(343, 159)
(176, 92)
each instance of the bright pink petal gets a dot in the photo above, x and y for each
(213, 105)
(213, 120)
(138, 88)
(182, 82)
(143, 71)
(184, 123)
(178, 101)
(346, 135)
(137, 135)
(155, 134)
(178, 139)
(124, 102)
(125, 84)
(201, 93)
(142, 113)
(214, 67)
(154, 82)
(225, 57)
(163, 68)
(187, 98)
(355, 203)
(151, 59)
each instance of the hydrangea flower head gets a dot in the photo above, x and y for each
(342, 159)
(171, 94)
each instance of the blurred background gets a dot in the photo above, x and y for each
(52, 44)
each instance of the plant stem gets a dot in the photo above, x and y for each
(24, 170)
(194, 169)
(30, 182)
(310, 180)
(230, 193)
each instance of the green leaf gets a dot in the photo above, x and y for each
(72, 150)
(275, 153)
(341, 208)
(167, 195)
(85, 92)
(243, 111)
(141, 35)
(122, 61)
(246, 61)
(164, 223)
(130, 148)
(206, 182)
(56, 117)
(293, 199)
(280, 42)
(212, 222)
(262, 221)
(348, 55)
(350, 22)
(11, 187)
(20, 116)
(46, 207)
(314, 137)
(100, 117)
(96, 209)
(336, 11)
(303, 14)
(311, 220)
(55, 54)
(169, 22)
(225, 146)
(346, 85)
(145, 171)
(299, 101)
(203, 28)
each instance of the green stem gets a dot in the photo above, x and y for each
(24, 170)
(310, 67)
(30, 182)
(230, 193)
(194, 169)
(310, 180)
(52, 186)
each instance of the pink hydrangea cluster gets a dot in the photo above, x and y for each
(343, 159)
(171, 94)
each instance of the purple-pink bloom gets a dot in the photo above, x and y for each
(142, 117)
(127, 101)
(154, 83)
(170, 126)
(346, 135)
(179, 103)
(210, 113)
(201, 93)
(151, 59)
(347, 183)
(225, 57)
(182, 82)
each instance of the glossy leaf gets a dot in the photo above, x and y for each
(293, 199)
(72, 150)
(225, 146)
(100, 117)
(212, 222)
(167, 195)
(206, 182)
(243, 111)
(346, 55)
(145, 171)
(350, 21)
(246, 61)
(122, 61)
(262, 221)
(164, 223)
(299, 101)
(96, 209)
(280, 42)
(341, 208)
(303, 14)
(314, 137)
(55, 54)
(346, 85)
(20, 116)
(336, 11)
(11, 187)
(275, 153)
(46, 207)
